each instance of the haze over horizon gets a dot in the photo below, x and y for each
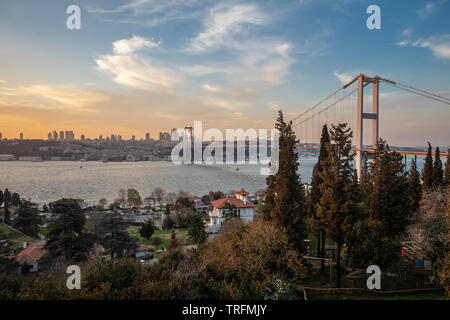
(140, 66)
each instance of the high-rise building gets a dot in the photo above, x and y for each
(55, 135)
(1, 136)
(49, 136)
(133, 138)
(82, 137)
(100, 137)
(119, 137)
(147, 136)
(21, 136)
(61, 135)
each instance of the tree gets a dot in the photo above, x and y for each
(159, 195)
(285, 199)
(15, 199)
(365, 182)
(173, 244)
(315, 195)
(121, 197)
(66, 233)
(102, 203)
(427, 172)
(337, 210)
(437, 175)
(171, 197)
(430, 230)
(28, 221)
(168, 223)
(7, 202)
(147, 230)
(113, 235)
(133, 198)
(446, 173)
(389, 200)
(196, 228)
(414, 186)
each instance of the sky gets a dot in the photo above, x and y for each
(139, 66)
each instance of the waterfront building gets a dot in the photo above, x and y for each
(238, 206)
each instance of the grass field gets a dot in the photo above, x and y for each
(164, 235)
(15, 237)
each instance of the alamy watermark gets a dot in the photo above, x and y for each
(250, 146)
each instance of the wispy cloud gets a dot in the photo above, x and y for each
(224, 22)
(429, 9)
(344, 77)
(402, 43)
(60, 97)
(127, 46)
(150, 12)
(129, 68)
(439, 45)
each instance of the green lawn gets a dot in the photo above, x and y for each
(15, 237)
(164, 235)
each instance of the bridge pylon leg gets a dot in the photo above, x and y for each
(361, 151)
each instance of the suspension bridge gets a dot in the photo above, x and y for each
(350, 105)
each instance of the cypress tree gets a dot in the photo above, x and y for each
(314, 197)
(389, 201)
(414, 187)
(285, 198)
(337, 209)
(427, 172)
(447, 170)
(437, 175)
(173, 244)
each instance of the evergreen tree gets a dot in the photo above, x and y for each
(337, 209)
(437, 175)
(365, 182)
(113, 235)
(314, 197)
(7, 202)
(173, 244)
(446, 173)
(414, 187)
(66, 233)
(147, 230)
(285, 197)
(427, 172)
(389, 201)
(15, 199)
(196, 228)
(28, 220)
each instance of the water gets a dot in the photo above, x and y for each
(44, 182)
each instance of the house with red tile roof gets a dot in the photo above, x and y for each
(30, 256)
(237, 206)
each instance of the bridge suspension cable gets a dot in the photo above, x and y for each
(420, 92)
(324, 109)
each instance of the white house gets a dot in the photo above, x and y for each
(238, 206)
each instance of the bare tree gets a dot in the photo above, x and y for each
(159, 195)
(121, 197)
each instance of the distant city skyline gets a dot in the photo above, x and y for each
(139, 66)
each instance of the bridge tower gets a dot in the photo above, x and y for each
(361, 150)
